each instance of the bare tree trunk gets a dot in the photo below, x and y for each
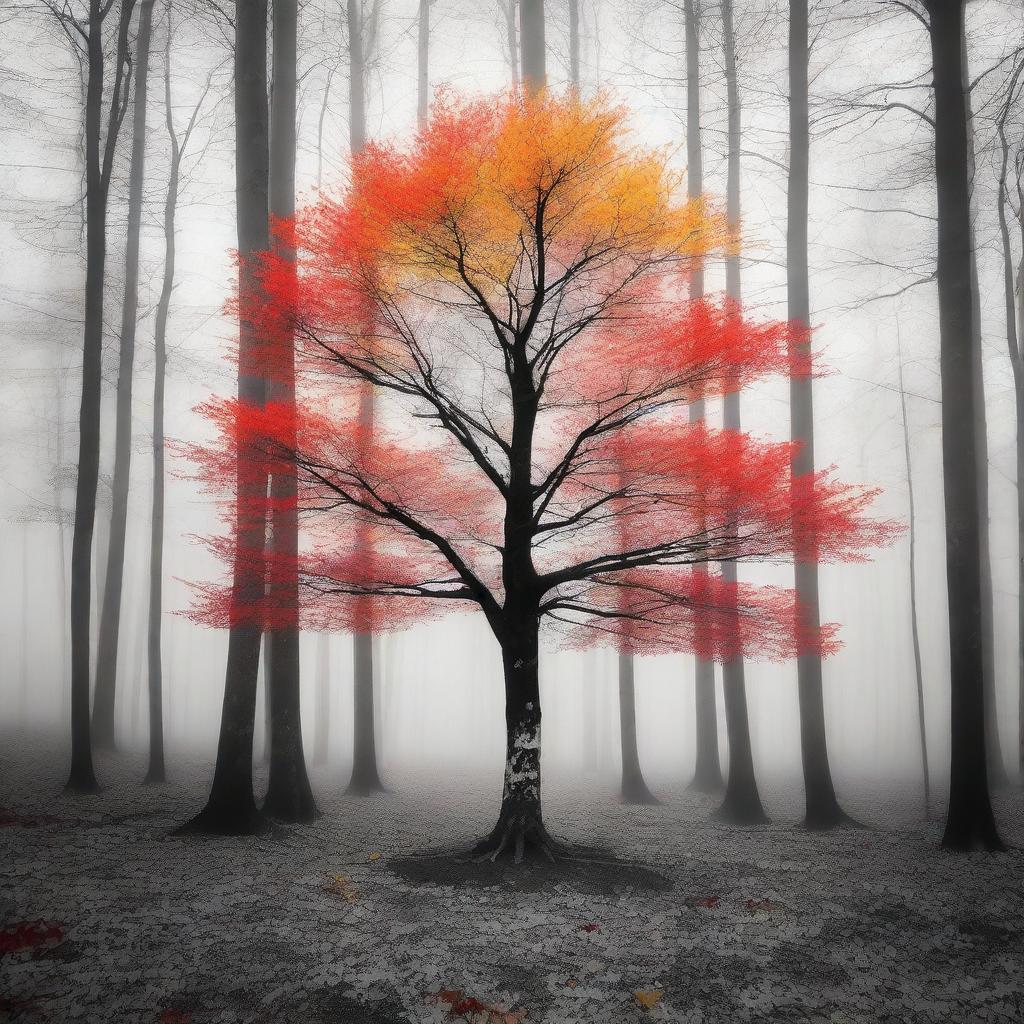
(23, 698)
(510, 8)
(707, 776)
(531, 33)
(634, 788)
(289, 795)
(231, 807)
(82, 778)
(365, 775)
(110, 616)
(912, 569)
(996, 768)
(423, 64)
(969, 823)
(822, 807)
(742, 801)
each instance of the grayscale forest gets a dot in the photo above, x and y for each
(512, 511)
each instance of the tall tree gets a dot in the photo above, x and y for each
(969, 822)
(99, 163)
(742, 801)
(321, 736)
(822, 810)
(110, 616)
(289, 795)
(507, 507)
(707, 776)
(365, 772)
(532, 45)
(231, 807)
(423, 63)
(574, 43)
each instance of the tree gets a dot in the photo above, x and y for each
(529, 311)
(822, 807)
(365, 774)
(110, 616)
(969, 822)
(231, 806)
(86, 35)
(423, 63)
(289, 795)
(742, 802)
(532, 45)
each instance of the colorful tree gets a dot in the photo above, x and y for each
(513, 287)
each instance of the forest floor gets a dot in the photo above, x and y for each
(104, 918)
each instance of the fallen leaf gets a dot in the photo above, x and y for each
(755, 905)
(571, 983)
(648, 998)
(709, 902)
(375, 855)
(174, 1017)
(590, 927)
(339, 885)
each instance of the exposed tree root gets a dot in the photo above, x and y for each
(523, 836)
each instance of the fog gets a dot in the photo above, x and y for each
(439, 692)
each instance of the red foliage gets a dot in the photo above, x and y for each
(419, 307)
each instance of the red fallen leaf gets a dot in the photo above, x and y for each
(174, 1017)
(755, 905)
(448, 995)
(590, 927)
(469, 1005)
(29, 935)
(709, 902)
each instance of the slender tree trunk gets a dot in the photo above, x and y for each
(634, 788)
(707, 776)
(912, 571)
(822, 807)
(969, 823)
(511, 10)
(322, 734)
(742, 802)
(231, 807)
(996, 768)
(82, 778)
(423, 64)
(110, 616)
(289, 795)
(23, 696)
(531, 41)
(365, 775)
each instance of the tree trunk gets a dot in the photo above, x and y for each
(520, 827)
(996, 768)
(634, 789)
(707, 776)
(231, 807)
(322, 733)
(289, 795)
(912, 569)
(423, 64)
(365, 776)
(511, 10)
(742, 802)
(82, 778)
(969, 823)
(110, 616)
(822, 807)
(531, 42)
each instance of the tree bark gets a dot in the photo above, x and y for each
(822, 807)
(110, 616)
(707, 776)
(532, 46)
(231, 807)
(82, 778)
(574, 44)
(289, 795)
(634, 788)
(969, 823)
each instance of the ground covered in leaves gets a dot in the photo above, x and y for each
(105, 918)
